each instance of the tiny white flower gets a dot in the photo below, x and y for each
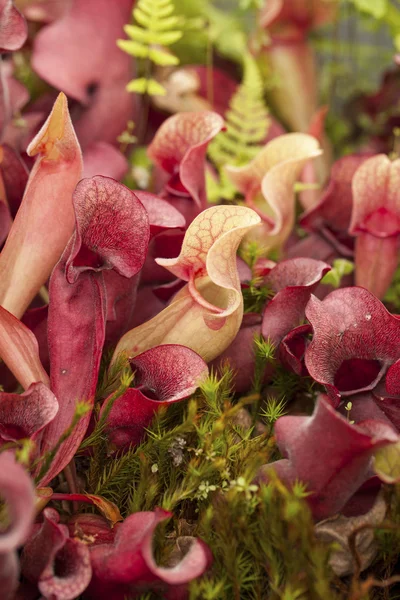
(205, 488)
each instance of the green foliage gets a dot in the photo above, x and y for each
(219, 188)
(98, 434)
(200, 462)
(81, 409)
(23, 453)
(111, 373)
(188, 454)
(250, 252)
(127, 138)
(376, 9)
(273, 410)
(392, 296)
(139, 175)
(353, 53)
(156, 28)
(389, 535)
(247, 121)
(256, 292)
(288, 386)
(247, 124)
(264, 352)
(265, 348)
(264, 546)
(217, 388)
(387, 463)
(340, 268)
(226, 29)
(385, 11)
(249, 4)
(255, 295)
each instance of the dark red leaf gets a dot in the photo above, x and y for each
(342, 463)
(163, 375)
(112, 232)
(129, 563)
(350, 324)
(335, 206)
(293, 281)
(58, 564)
(25, 415)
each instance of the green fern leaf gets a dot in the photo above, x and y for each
(246, 121)
(133, 48)
(166, 38)
(137, 85)
(147, 36)
(154, 88)
(138, 33)
(161, 58)
(376, 9)
(160, 8)
(155, 29)
(142, 18)
(166, 24)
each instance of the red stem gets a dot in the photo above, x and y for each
(72, 498)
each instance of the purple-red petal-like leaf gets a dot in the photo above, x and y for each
(365, 407)
(13, 28)
(170, 372)
(292, 349)
(19, 350)
(335, 206)
(107, 215)
(179, 148)
(163, 375)
(355, 340)
(240, 354)
(342, 463)
(121, 567)
(25, 415)
(121, 292)
(88, 525)
(112, 233)
(161, 214)
(58, 564)
(293, 281)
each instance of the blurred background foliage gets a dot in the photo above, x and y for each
(353, 52)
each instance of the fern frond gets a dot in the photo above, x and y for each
(156, 29)
(247, 121)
